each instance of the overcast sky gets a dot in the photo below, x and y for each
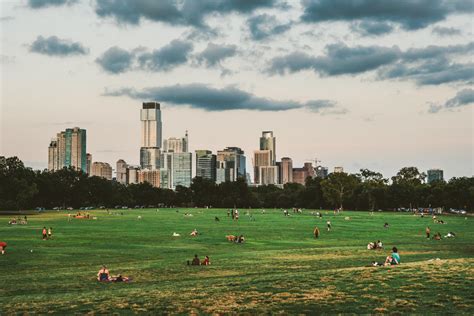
(359, 84)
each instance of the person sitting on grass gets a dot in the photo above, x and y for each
(3, 246)
(240, 239)
(196, 261)
(386, 225)
(394, 258)
(370, 246)
(45, 233)
(437, 236)
(194, 233)
(206, 261)
(216, 219)
(119, 278)
(379, 244)
(103, 275)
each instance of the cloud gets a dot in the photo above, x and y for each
(445, 31)
(463, 98)
(186, 12)
(201, 96)
(264, 25)
(39, 4)
(372, 28)
(339, 59)
(409, 14)
(433, 51)
(115, 60)
(53, 46)
(214, 54)
(166, 58)
(6, 18)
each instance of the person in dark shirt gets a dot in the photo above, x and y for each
(196, 261)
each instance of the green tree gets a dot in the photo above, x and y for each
(338, 187)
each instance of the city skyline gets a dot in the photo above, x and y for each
(277, 66)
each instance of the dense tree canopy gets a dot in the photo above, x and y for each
(23, 188)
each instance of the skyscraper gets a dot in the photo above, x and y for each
(286, 170)
(175, 169)
(68, 150)
(121, 171)
(300, 174)
(150, 176)
(88, 163)
(268, 142)
(261, 158)
(150, 117)
(435, 175)
(206, 164)
(321, 172)
(234, 160)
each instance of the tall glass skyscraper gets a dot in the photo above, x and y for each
(234, 159)
(268, 142)
(206, 164)
(151, 125)
(68, 150)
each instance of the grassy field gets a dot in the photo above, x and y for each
(280, 269)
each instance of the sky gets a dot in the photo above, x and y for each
(360, 84)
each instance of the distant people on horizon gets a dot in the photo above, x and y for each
(236, 215)
(329, 225)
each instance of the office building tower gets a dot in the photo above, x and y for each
(121, 171)
(321, 172)
(206, 164)
(435, 175)
(176, 169)
(150, 176)
(268, 175)
(101, 169)
(268, 142)
(132, 174)
(338, 169)
(261, 158)
(176, 144)
(88, 163)
(223, 173)
(286, 170)
(151, 138)
(301, 174)
(235, 162)
(68, 150)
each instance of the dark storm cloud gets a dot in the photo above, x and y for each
(463, 98)
(409, 14)
(115, 60)
(166, 58)
(214, 54)
(38, 4)
(339, 59)
(264, 25)
(189, 12)
(53, 46)
(430, 65)
(372, 28)
(445, 31)
(204, 97)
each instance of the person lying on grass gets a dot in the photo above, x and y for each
(394, 258)
(194, 233)
(450, 235)
(240, 239)
(104, 276)
(437, 236)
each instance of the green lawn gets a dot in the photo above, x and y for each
(280, 269)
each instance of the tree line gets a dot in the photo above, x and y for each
(23, 188)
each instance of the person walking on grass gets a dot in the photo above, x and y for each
(329, 225)
(45, 233)
(50, 232)
(428, 231)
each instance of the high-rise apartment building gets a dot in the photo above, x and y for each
(151, 136)
(301, 174)
(121, 171)
(223, 173)
(150, 176)
(235, 162)
(206, 164)
(268, 175)
(261, 158)
(286, 170)
(176, 144)
(101, 169)
(338, 169)
(68, 150)
(132, 174)
(435, 175)
(268, 142)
